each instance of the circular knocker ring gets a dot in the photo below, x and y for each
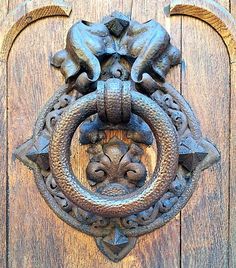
(125, 205)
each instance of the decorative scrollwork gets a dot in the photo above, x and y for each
(168, 104)
(55, 191)
(58, 109)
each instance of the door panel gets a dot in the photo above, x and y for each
(232, 185)
(205, 83)
(32, 235)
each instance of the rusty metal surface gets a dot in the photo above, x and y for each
(115, 75)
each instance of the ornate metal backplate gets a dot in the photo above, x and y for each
(115, 74)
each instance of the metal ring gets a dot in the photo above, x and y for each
(125, 205)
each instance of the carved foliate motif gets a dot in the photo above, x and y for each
(116, 162)
(115, 75)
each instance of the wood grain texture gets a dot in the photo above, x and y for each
(212, 13)
(3, 154)
(3, 9)
(232, 189)
(205, 84)
(223, 16)
(232, 207)
(162, 247)
(22, 16)
(35, 232)
(31, 241)
(11, 25)
(3, 165)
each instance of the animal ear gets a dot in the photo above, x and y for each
(85, 43)
(162, 64)
(155, 52)
(63, 60)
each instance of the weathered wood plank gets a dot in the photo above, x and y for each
(35, 232)
(233, 7)
(232, 218)
(162, 247)
(232, 208)
(3, 155)
(205, 83)
(11, 25)
(212, 13)
(3, 9)
(3, 168)
(25, 14)
(186, 8)
(32, 243)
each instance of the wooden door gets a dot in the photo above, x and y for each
(204, 233)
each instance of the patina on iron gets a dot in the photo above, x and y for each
(115, 78)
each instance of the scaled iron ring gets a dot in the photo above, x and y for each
(165, 170)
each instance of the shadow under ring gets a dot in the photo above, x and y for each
(119, 206)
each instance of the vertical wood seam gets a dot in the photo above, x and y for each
(230, 155)
(181, 87)
(178, 230)
(7, 174)
(7, 166)
(229, 184)
(229, 121)
(230, 158)
(131, 8)
(8, 6)
(229, 179)
(6, 228)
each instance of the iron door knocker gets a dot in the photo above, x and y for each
(115, 74)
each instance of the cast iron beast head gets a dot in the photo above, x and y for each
(145, 47)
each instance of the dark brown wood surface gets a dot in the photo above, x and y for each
(204, 234)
